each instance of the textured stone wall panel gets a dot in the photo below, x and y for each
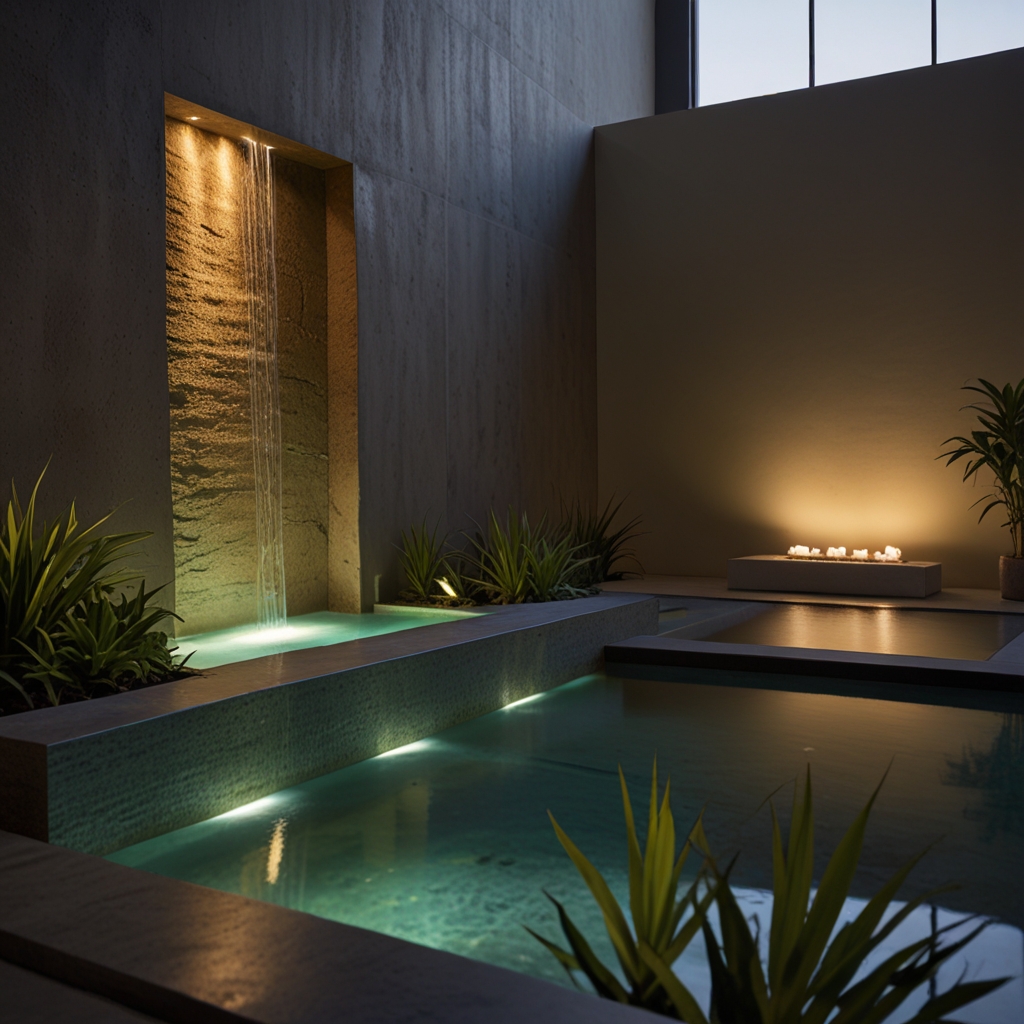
(301, 258)
(207, 348)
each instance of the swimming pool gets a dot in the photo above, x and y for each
(446, 842)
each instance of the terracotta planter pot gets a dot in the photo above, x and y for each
(1011, 578)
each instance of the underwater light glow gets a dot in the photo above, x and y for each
(317, 629)
(522, 700)
(261, 806)
(418, 746)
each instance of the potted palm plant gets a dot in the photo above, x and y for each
(999, 446)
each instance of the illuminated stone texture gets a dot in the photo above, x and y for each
(211, 436)
(207, 337)
(302, 362)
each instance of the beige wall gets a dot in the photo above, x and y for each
(791, 290)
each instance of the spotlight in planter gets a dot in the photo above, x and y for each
(446, 587)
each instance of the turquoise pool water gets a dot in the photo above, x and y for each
(446, 842)
(318, 629)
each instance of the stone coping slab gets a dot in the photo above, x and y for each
(184, 953)
(1003, 672)
(104, 774)
(954, 599)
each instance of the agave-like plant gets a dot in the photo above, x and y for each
(422, 561)
(46, 575)
(600, 548)
(502, 559)
(810, 976)
(62, 626)
(102, 644)
(998, 446)
(662, 929)
(553, 566)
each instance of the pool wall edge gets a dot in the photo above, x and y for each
(98, 779)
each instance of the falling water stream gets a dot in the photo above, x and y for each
(261, 282)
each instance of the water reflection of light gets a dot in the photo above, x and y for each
(276, 851)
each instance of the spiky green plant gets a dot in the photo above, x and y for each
(102, 644)
(422, 561)
(553, 566)
(599, 547)
(52, 580)
(998, 446)
(810, 974)
(661, 927)
(502, 560)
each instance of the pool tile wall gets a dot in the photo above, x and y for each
(105, 774)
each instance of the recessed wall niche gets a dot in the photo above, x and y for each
(216, 543)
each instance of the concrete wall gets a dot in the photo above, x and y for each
(469, 125)
(791, 291)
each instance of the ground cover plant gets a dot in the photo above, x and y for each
(811, 974)
(74, 623)
(515, 561)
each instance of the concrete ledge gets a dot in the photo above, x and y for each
(104, 774)
(824, 576)
(182, 952)
(715, 588)
(1005, 676)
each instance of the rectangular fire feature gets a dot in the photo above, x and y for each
(835, 576)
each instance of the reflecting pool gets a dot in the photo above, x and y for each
(319, 629)
(447, 843)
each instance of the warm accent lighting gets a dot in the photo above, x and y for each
(193, 118)
(446, 587)
(890, 554)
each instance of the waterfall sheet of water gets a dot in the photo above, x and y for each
(261, 281)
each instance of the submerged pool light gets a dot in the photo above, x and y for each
(409, 748)
(522, 700)
(256, 807)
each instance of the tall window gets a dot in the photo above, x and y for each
(751, 47)
(857, 38)
(754, 47)
(969, 28)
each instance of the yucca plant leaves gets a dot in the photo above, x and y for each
(812, 969)
(686, 1007)
(61, 623)
(421, 560)
(601, 548)
(810, 973)
(656, 911)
